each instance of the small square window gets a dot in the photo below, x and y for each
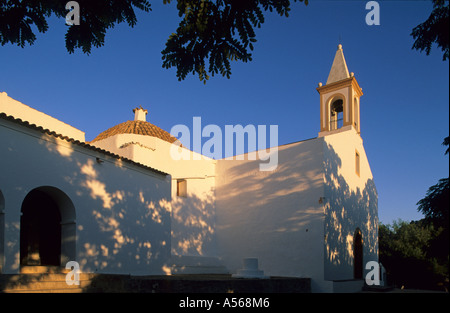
(181, 188)
(357, 163)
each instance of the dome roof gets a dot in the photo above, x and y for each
(138, 127)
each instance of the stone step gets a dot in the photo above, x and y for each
(107, 283)
(43, 279)
(64, 290)
(43, 284)
(53, 282)
(43, 270)
(48, 277)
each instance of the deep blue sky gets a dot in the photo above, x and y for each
(404, 110)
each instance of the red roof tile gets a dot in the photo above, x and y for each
(136, 127)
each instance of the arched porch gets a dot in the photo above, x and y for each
(47, 228)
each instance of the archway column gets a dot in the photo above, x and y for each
(68, 241)
(11, 231)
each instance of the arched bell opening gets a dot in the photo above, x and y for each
(336, 114)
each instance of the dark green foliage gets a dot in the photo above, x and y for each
(407, 253)
(210, 35)
(434, 30)
(18, 16)
(416, 254)
(213, 33)
(435, 205)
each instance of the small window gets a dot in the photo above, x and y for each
(181, 188)
(357, 164)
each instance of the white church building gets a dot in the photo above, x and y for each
(122, 204)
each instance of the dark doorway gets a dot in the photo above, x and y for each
(358, 254)
(40, 230)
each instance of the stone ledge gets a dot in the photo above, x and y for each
(110, 283)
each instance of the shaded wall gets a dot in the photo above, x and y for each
(122, 220)
(351, 203)
(274, 216)
(193, 215)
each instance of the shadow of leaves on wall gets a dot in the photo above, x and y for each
(347, 210)
(272, 215)
(193, 224)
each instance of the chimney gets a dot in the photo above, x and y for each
(140, 114)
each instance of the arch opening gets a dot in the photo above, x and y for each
(358, 254)
(336, 114)
(47, 228)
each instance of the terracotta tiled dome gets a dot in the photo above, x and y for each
(139, 127)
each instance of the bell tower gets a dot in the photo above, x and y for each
(339, 99)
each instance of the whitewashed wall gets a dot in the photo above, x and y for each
(351, 202)
(122, 217)
(19, 110)
(274, 216)
(194, 247)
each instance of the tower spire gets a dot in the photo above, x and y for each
(339, 70)
(339, 99)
